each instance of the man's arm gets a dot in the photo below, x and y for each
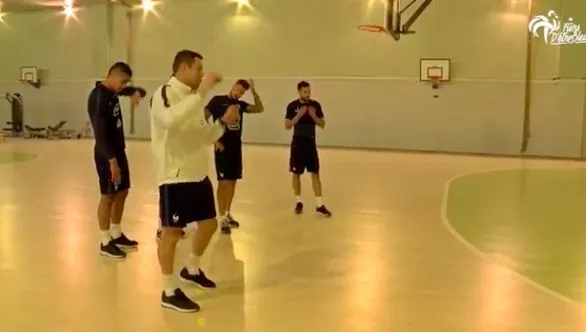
(257, 107)
(318, 116)
(171, 116)
(99, 112)
(214, 131)
(210, 108)
(292, 116)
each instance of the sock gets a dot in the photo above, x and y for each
(298, 198)
(319, 201)
(193, 264)
(115, 231)
(105, 236)
(169, 285)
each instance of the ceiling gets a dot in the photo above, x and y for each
(31, 5)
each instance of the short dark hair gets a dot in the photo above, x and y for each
(302, 84)
(121, 67)
(244, 84)
(185, 57)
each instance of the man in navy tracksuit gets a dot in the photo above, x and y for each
(110, 158)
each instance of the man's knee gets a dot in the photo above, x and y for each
(207, 226)
(107, 199)
(226, 183)
(171, 233)
(121, 194)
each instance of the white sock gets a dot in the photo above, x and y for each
(115, 231)
(298, 198)
(319, 201)
(169, 285)
(193, 264)
(105, 236)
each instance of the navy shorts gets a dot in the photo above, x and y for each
(103, 169)
(183, 203)
(303, 156)
(229, 162)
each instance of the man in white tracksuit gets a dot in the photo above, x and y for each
(182, 134)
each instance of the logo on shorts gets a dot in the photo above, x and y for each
(175, 218)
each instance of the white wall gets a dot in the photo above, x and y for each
(74, 52)
(368, 84)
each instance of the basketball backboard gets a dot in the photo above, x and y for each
(395, 10)
(29, 74)
(434, 69)
(393, 18)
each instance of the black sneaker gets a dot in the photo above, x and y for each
(124, 242)
(299, 207)
(179, 301)
(225, 227)
(199, 279)
(232, 223)
(323, 211)
(112, 251)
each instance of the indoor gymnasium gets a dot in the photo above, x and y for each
(450, 159)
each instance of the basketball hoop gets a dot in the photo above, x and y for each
(435, 81)
(371, 28)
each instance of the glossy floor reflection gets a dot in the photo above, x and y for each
(383, 262)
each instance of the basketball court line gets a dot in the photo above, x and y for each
(486, 257)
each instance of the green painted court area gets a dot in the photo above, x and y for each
(532, 221)
(15, 157)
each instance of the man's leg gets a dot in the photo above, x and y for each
(173, 213)
(192, 271)
(119, 237)
(225, 192)
(231, 221)
(107, 246)
(313, 168)
(222, 193)
(236, 174)
(296, 167)
(204, 212)
(229, 170)
(108, 193)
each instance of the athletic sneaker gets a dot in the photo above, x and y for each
(299, 207)
(225, 226)
(322, 210)
(199, 279)
(231, 222)
(179, 301)
(111, 250)
(124, 242)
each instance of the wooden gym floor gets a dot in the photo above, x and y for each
(404, 251)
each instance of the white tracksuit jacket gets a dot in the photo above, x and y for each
(181, 137)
